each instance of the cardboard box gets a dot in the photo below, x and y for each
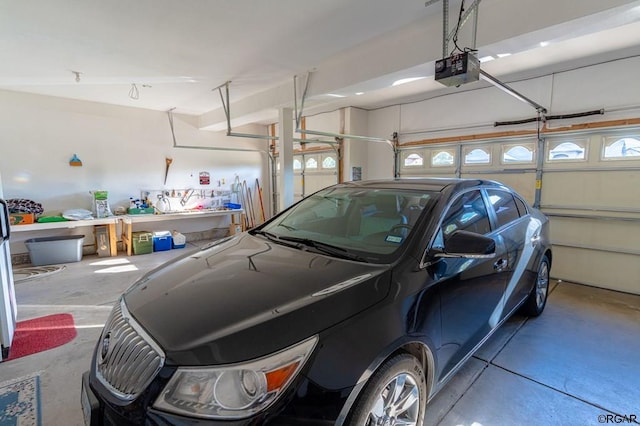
(235, 228)
(103, 246)
(21, 218)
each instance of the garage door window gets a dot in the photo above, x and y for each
(442, 158)
(616, 148)
(517, 154)
(568, 151)
(413, 160)
(329, 162)
(297, 164)
(477, 156)
(311, 163)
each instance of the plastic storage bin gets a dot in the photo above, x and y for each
(142, 242)
(162, 241)
(178, 240)
(52, 250)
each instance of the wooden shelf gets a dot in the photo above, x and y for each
(129, 220)
(70, 224)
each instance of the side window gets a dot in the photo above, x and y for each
(522, 207)
(467, 213)
(504, 205)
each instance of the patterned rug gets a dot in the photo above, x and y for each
(20, 402)
(31, 272)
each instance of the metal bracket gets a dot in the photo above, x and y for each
(447, 35)
(299, 114)
(506, 88)
(209, 148)
(226, 105)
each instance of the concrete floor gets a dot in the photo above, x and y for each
(578, 361)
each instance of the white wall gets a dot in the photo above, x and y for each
(122, 149)
(382, 123)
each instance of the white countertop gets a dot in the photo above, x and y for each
(129, 218)
(194, 214)
(64, 224)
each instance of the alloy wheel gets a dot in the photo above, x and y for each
(397, 404)
(542, 284)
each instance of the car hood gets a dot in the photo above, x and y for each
(246, 296)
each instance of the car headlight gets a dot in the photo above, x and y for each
(236, 390)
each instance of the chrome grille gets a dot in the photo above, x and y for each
(127, 359)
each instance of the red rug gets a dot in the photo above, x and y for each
(41, 334)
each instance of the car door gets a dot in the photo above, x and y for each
(470, 289)
(519, 233)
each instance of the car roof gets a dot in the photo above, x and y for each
(428, 184)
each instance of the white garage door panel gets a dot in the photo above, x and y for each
(609, 235)
(317, 181)
(614, 271)
(605, 189)
(523, 183)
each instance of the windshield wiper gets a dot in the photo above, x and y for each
(326, 248)
(272, 237)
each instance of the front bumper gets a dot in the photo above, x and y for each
(98, 413)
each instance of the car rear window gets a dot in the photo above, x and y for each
(504, 205)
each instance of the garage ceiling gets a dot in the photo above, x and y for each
(177, 52)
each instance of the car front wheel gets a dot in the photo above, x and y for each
(395, 395)
(537, 299)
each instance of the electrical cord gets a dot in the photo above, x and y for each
(455, 34)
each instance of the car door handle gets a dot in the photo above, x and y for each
(535, 240)
(500, 264)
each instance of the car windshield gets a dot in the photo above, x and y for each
(352, 222)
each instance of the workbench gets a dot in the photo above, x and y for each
(111, 223)
(129, 220)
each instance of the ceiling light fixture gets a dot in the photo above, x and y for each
(359, 93)
(334, 95)
(406, 80)
(544, 43)
(133, 92)
(503, 55)
(486, 59)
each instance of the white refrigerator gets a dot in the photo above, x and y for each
(8, 307)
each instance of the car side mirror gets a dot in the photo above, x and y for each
(468, 244)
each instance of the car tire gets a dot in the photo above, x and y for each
(379, 402)
(537, 300)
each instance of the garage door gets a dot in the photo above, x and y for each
(590, 190)
(312, 172)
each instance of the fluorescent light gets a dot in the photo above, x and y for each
(336, 95)
(544, 43)
(406, 80)
(359, 93)
(503, 55)
(486, 58)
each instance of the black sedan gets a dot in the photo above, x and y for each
(352, 307)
